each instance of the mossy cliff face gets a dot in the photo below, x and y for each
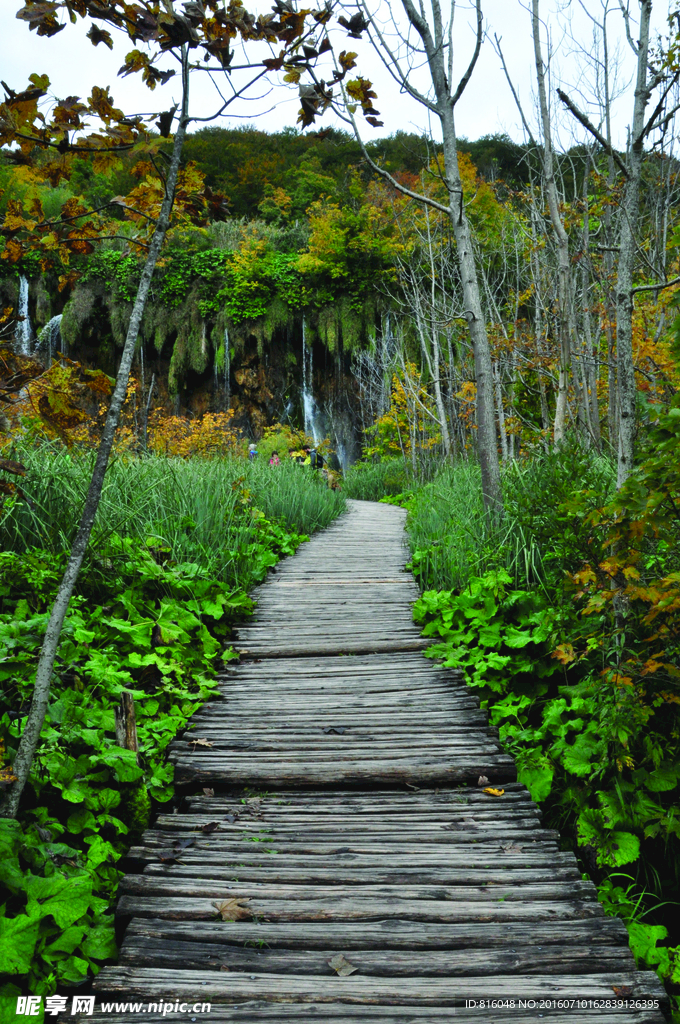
(207, 353)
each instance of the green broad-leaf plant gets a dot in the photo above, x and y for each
(285, 40)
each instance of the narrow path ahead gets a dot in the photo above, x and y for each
(338, 818)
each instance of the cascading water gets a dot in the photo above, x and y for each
(50, 340)
(23, 336)
(310, 409)
(223, 375)
(341, 453)
(227, 371)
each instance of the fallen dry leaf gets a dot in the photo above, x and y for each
(623, 991)
(210, 826)
(493, 792)
(209, 792)
(199, 743)
(482, 781)
(342, 966)
(168, 856)
(511, 848)
(231, 818)
(233, 910)
(253, 806)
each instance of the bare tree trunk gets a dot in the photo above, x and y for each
(434, 51)
(630, 209)
(590, 360)
(36, 715)
(564, 274)
(499, 411)
(612, 376)
(511, 403)
(487, 446)
(147, 406)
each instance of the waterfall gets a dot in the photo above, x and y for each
(227, 371)
(341, 453)
(49, 339)
(222, 386)
(309, 407)
(23, 336)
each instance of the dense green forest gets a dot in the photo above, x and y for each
(489, 339)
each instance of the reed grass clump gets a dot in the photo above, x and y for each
(539, 537)
(206, 511)
(371, 481)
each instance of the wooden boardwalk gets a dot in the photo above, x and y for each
(337, 860)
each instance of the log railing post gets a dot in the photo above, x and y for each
(126, 725)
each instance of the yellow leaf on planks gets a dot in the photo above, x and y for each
(493, 792)
(233, 910)
(342, 966)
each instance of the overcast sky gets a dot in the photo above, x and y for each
(487, 107)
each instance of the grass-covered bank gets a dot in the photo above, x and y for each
(177, 545)
(566, 616)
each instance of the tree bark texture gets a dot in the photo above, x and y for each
(629, 215)
(126, 723)
(564, 269)
(36, 715)
(487, 445)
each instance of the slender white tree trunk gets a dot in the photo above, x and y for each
(500, 411)
(629, 214)
(435, 50)
(41, 691)
(487, 445)
(564, 269)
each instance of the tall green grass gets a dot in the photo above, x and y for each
(371, 481)
(539, 538)
(200, 510)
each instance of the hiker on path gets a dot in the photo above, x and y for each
(252, 451)
(275, 460)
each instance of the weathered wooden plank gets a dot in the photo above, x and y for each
(360, 908)
(344, 644)
(599, 931)
(310, 873)
(139, 949)
(149, 885)
(430, 825)
(260, 772)
(257, 1011)
(415, 855)
(395, 801)
(450, 991)
(328, 748)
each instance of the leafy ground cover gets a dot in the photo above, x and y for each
(566, 617)
(176, 547)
